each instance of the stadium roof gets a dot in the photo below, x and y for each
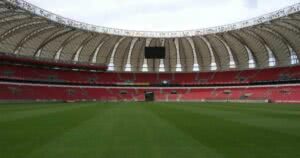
(269, 40)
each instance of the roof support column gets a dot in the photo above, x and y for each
(251, 61)
(94, 59)
(178, 63)
(196, 64)
(232, 63)
(111, 65)
(272, 60)
(294, 57)
(128, 65)
(57, 55)
(83, 44)
(76, 58)
(213, 64)
(145, 63)
(161, 62)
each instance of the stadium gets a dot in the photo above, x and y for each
(71, 89)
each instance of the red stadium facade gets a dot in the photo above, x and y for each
(44, 92)
(35, 82)
(46, 57)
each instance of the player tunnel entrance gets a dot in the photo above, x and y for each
(149, 96)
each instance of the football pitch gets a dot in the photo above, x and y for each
(149, 130)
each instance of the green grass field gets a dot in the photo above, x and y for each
(149, 130)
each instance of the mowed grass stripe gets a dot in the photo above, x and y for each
(263, 109)
(128, 131)
(76, 141)
(42, 109)
(21, 136)
(286, 123)
(245, 110)
(12, 107)
(150, 130)
(232, 139)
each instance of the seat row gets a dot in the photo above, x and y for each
(19, 91)
(18, 72)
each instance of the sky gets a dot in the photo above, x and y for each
(161, 15)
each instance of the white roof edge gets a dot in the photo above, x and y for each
(154, 34)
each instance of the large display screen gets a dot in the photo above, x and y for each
(155, 52)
